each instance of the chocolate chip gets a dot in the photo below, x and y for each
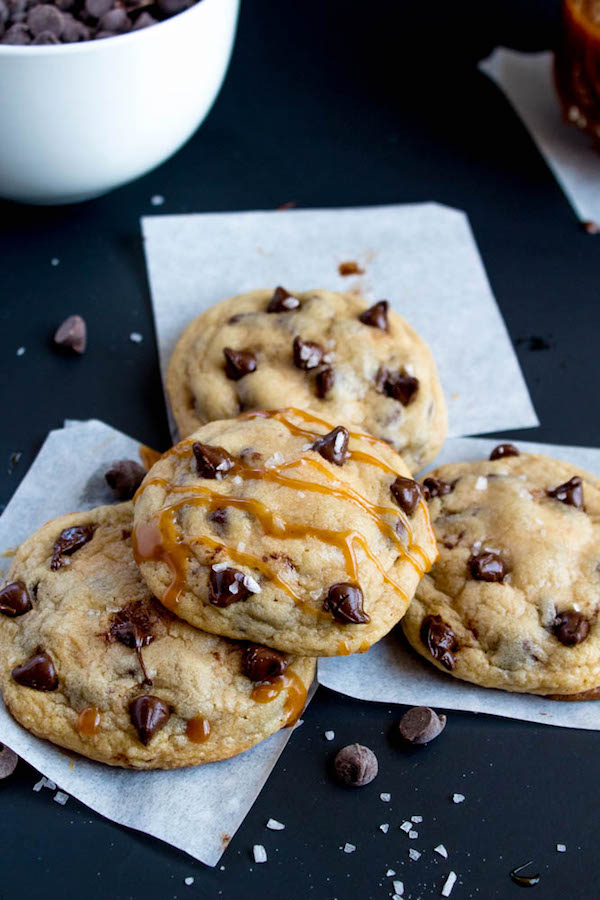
(218, 517)
(406, 493)
(570, 493)
(355, 765)
(376, 316)
(487, 567)
(227, 587)
(212, 462)
(45, 17)
(435, 487)
(148, 715)
(571, 627)
(307, 354)
(324, 381)
(399, 386)
(74, 31)
(282, 301)
(239, 363)
(503, 450)
(333, 446)
(124, 478)
(115, 20)
(261, 663)
(144, 20)
(97, 8)
(45, 37)
(345, 602)
(420, 725)
(440, 640)
(8, 761)
(171, 7)
(37, 673)
(68, 541)
(18, 34)
(14, 600)
(134, 626)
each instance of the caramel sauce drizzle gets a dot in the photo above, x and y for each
(198, 730)
(161, 540)
(88, 721)
(148, 456)
(267, 691)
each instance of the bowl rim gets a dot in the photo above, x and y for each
(104, 44)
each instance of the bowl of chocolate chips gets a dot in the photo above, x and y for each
(97, 92)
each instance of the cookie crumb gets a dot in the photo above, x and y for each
(561, 848)
(349, 848)
(136, 337)
(61, 797)
(189, 880)
(441, 850)
(385, 828)
(458, 798)
(157, 200)
(274, 825)
(329, 735)
(449, 884)
(385, 797)
(260, 854)
(414, 854)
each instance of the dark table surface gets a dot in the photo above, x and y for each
(327, 103)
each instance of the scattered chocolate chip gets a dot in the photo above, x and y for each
(45, 17)
(218, 517)
(45, 37)
(282, 301)
(114, 21)
(8, 761)
(406, 493)
(68, 541)
(172, 7)
(212, 462)
(97, 8)
(591, 227)
(14, 600)
(72, 333)
(487, 567)
(399, 386)
(376, 316)
(124, 478)
(227, 587)
(144, 20)
(261, 663)
(503, 450)
(440, 640)
(324, 381)
(307, 354)
(333, 446)
(571, 627)
(37, 673)
(350, 268)
(134, 626)
(570, 493)
(435, 487)
(355, 765)
(524, 880)
(421, 724)
(148, 715)
(345, 602)
(17, 35)
(74, 30)
(239, 363)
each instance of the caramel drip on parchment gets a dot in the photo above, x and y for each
(296, 694)
(162, 541)
(88, 721)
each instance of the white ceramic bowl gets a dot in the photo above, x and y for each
(77, 120)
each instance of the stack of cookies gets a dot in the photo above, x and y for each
(183, 627)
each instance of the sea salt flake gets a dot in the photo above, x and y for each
(252, 584)
(157, 200)
(481, 483)
(458, 798)
(561, 848)
(260, 854)
(237, 479)
(385, 797)
(54, 261)
(406, 826)
(241, 547)
(219, 567)
(329, 735)
(61, 797)
(416, 819)
(339, 442)
(136, 337)
(414, 854)
(449, 884)
(389, 873)
(189, 880)
(409, 369)
(274, 825)
(441, 850)
(306, 446)
(20, 351)
(413, 834)
(398, 887)
(234, 587)
(349, 848)
(39, 784)
(385, 828)
(49, 784)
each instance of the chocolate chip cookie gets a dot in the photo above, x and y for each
(513, 600)
(284, 529)
(91, 661)
(327, 352)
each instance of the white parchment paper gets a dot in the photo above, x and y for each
(421, 257)
(195, 809)
(391, 672)
(527, 81)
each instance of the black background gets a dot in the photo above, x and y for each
(327, 103)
